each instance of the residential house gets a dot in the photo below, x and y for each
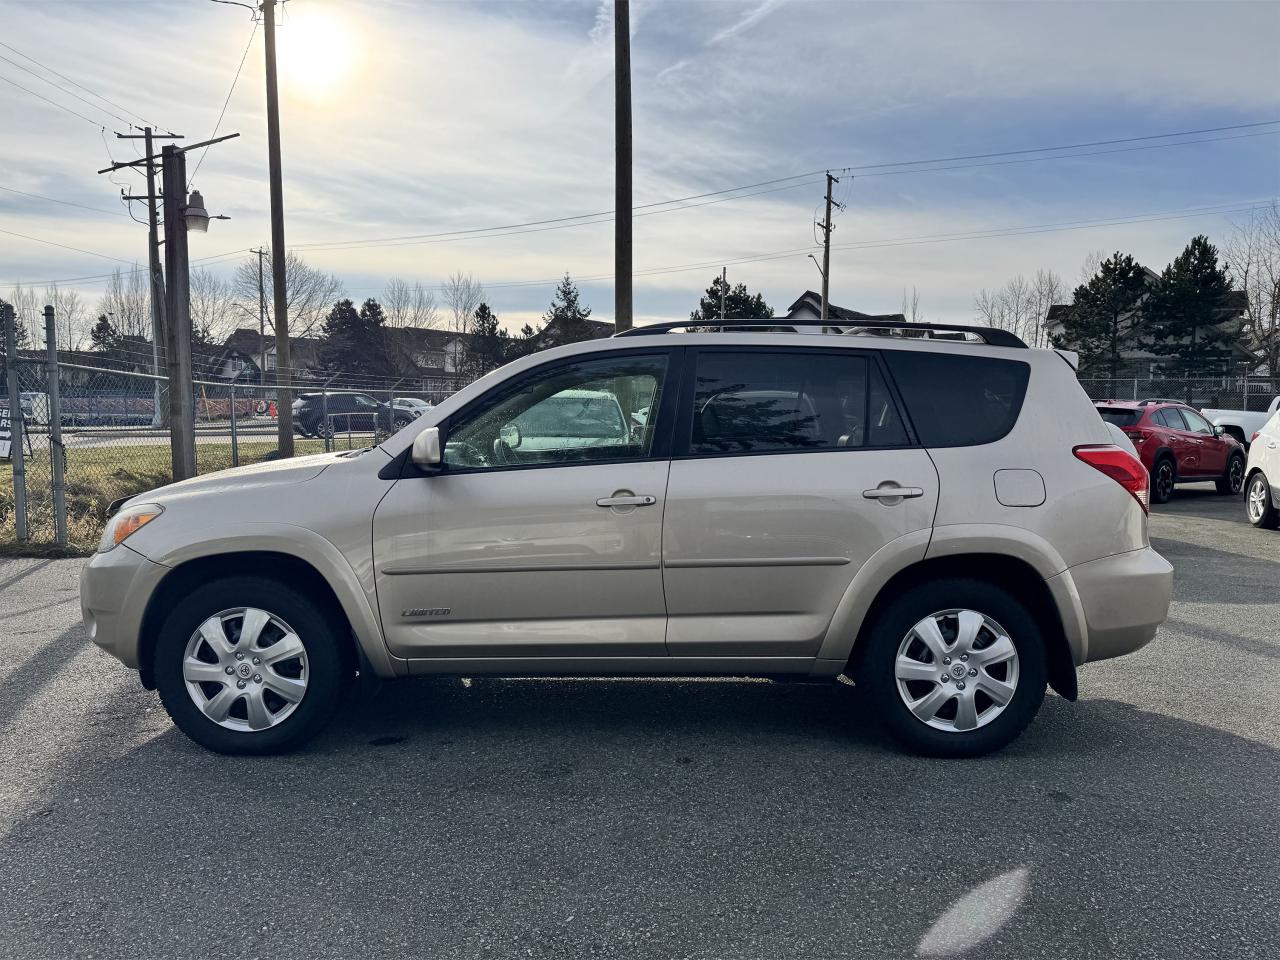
(809, 307)
(246, 353)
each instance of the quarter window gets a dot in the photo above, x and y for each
(596, 410)
(955, 400)
(780, 402)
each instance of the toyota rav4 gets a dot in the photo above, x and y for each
(939, 517)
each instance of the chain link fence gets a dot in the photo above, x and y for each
(90, 436)
(1222, 393)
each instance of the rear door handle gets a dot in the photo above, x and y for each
(893, 493)
(631, 501)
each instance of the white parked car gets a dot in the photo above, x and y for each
(945, 521)
(1262, 476)
(414, 406)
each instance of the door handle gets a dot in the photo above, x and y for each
(893, 493)
(632, 501)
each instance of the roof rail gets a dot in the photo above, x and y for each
(992, 336)
(1151, 400)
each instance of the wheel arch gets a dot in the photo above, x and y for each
(367, 642)
(1232, 430)
(1012, 574)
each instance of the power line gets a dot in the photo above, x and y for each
(234, 80)
(959, 162)
(118, 106)
(89, 103)
(64, 246)
(60, 106)
(65, 203)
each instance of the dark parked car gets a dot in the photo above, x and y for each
(346, 411)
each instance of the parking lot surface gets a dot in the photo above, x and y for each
(663, 819)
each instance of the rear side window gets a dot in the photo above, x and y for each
(782, 402)
(955, 400)
(1169, 418)
(1120, 416)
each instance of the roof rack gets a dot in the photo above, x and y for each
(991, 336)
(1151, 400)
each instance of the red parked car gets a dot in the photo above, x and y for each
(1177, 445)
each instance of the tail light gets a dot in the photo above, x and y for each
(1122, 467)
(1136, 434)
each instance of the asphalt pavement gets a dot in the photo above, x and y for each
(659, 819)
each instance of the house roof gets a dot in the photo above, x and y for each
(812, 302)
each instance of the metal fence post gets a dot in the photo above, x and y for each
(56, 451)
(324, 417)
(235, 445)
(16, 452)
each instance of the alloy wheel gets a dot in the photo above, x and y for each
(1256, 502)
(1164, 480)
(245, 669)
(956, 670)
(1235, 475)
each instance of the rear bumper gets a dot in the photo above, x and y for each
(1113, 606)
(114, 589)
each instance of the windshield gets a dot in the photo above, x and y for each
(1120, 416)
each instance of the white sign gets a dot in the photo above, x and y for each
(5, 438)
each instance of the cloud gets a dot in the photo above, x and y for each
(749, 20)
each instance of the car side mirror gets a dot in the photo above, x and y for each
(426, 453)
(510, 435)
(1218, 431)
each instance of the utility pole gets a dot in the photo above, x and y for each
(284, 399)
(157, 275)
(182, 446)
(622, 308)
(724, 288)
(826, 247)
(262, 321)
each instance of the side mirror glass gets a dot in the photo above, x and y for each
(510, 435)
(427, 448)
(1218, 431)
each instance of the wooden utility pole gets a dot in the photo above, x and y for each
(178, 314)
(284, 397)
(724, 288)
(826, 247)
(262, 320)
(622, 310)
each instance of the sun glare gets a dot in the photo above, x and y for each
(319, 52)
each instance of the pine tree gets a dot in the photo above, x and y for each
(104, 336)
(566, 319)
(1184, 310)
(355, 340)
(489, 342)
(1104, 313)
(739, 304)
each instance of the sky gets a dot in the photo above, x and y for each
(404, 119)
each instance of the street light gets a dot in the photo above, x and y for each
(196, 216)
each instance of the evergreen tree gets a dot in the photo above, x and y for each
(104, 336)
(566, 319)
(355, 340)
(1184, 310)
(1104, 313)
(739, 304)
(489, 343)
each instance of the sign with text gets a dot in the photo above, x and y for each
(5, 437)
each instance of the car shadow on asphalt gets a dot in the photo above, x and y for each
(646, 819)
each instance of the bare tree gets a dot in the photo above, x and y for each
(409, 306)
(1021, 305)
(68, 316)
(309, 292)
(213, 307)
(127, 302)
(1047, 289)
(463, 293)
(911, 305)
(1253, 255)
(1090, 265)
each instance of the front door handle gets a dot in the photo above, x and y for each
(630, 501)
(893, 493)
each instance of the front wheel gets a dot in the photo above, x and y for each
(1260, 505)
(1232, 480)
(1162, 481)
(247, 665)
(955, 668)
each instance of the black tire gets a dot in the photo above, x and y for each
(399, 423)
(325, 638)
(876, 667)
(1232, 480)
(1163, 478)
(1269, 517)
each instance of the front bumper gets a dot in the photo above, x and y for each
(114, 589)
(1113, 606)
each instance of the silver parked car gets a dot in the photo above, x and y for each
(945, 521)
(1262, 476)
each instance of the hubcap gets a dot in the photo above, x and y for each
(1237, 474)
(245, 669)
(1257, 499)
(956, 670)
(1164, 480)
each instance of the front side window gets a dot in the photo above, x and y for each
(780, 402)
(568, 413)
(1196, 423)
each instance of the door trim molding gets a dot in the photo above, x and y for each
(394, 571)
(759, 562)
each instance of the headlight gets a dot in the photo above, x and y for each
(126, 523)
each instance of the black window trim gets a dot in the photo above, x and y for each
(682, 428)
(660, 450)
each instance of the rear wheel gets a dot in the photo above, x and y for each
(247, 665)
(1232, 480)
(1259, 504)
(1162, 480)
(954, 668)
